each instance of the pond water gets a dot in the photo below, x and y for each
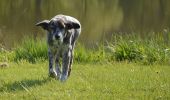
(99, 18)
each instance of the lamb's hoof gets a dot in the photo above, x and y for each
(53, 74)
(63, 78)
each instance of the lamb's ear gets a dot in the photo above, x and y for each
(72, 25)
(44, 24)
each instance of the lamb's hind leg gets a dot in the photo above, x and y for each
(71, 61)
(72, 53)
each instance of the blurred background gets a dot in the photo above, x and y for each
(100, 19)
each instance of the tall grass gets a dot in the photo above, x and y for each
(31, 50)
(83, 54)
(146, 50)
(132, 48)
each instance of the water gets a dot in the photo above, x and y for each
(99, 18)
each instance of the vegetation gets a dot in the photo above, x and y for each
(31, 50)
(87, 81)
(129, 48)
(126, 67)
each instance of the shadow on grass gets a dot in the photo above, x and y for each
(23, 85)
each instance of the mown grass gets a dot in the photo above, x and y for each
(127, 67)
(111, 81)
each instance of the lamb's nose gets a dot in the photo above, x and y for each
(57, 36)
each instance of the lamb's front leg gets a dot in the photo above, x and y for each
(58, 66)
(66, 63)
(52, 72)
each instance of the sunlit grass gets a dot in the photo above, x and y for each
(148, 50)
(87, 81)
(31, 50)
(130, 48)
(127, 67)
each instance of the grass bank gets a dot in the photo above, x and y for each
(122, 81)
(132, 48)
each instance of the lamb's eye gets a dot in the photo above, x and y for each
(52, 27)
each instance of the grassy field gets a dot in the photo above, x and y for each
(111, 81)
(126, 68)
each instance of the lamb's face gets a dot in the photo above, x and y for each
(58, 27)
(57, 31)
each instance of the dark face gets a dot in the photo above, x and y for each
(57, 31)
(57, 28)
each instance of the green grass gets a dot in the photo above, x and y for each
(132, 48)
(31, 50)
(116, 81)
(128, 67)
